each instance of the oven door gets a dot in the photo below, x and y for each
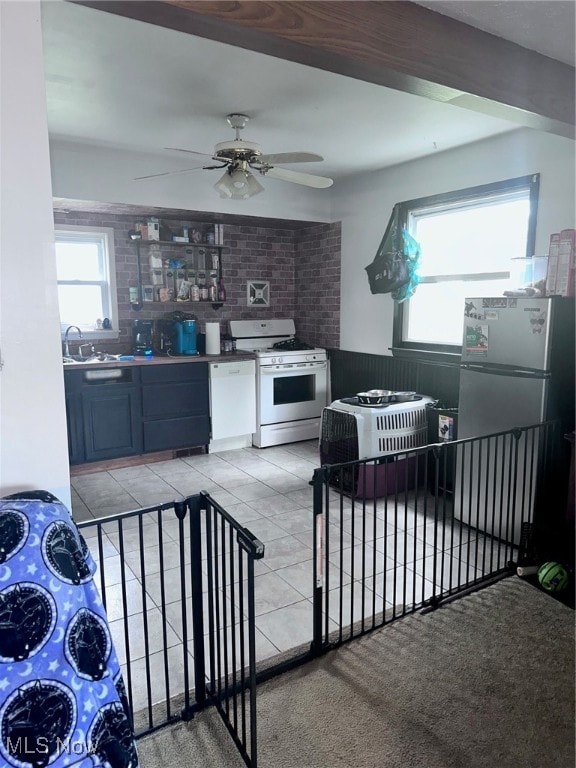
(291, 391)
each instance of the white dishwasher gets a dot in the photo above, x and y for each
(232, 404)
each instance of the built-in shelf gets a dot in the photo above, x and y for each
(213, 304)
(203, 267)
(172, 242)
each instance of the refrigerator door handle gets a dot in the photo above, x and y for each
(520, 373)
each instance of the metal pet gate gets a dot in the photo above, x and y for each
(177, 581)
(406, 531)
(392, 535)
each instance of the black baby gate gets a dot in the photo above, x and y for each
(406, 531)
(177, 582)
(391, 535)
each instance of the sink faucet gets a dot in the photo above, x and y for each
(66, 347)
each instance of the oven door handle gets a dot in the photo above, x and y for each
(274, 370)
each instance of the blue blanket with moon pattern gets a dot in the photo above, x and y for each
(62, 697)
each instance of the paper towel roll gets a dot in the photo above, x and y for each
(212, 338)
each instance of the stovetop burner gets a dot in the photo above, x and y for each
(291, 344)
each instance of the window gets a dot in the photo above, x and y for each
(86, 274)
(468, 238)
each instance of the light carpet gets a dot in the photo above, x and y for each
(485, 681)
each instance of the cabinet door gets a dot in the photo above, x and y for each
(112, 425)
(74, 422)
(75, 428)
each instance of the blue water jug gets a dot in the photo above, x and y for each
(186, 332)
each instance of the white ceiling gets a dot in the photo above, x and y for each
(121, 83)
(545, 26)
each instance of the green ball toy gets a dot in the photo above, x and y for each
(553, 577)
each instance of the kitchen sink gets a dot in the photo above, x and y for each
(102, 358)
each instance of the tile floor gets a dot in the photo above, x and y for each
(267, 491)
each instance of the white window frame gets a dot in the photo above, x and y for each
(467, 198)
(72, 233)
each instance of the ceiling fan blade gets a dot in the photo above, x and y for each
(307, 179)
(289, 157)
(188, 151)
(168, 173)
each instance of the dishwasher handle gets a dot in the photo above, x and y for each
(236, 368)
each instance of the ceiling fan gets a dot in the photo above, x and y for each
(239, 157)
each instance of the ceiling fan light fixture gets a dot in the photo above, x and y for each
(238, 184)
(239, 157)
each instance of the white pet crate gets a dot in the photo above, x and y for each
(351, 432)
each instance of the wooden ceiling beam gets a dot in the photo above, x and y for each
(397, 44)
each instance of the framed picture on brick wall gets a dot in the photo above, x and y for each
(258, 293)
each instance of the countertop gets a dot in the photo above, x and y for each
(231, 357)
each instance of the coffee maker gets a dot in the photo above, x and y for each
(142, 334)
(185, 338)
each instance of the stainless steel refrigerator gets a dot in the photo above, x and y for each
(517, 370)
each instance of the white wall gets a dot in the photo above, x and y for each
(364, 204)
(33, 442)
(89, 172)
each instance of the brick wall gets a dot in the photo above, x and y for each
(300, 264)
(317, 282)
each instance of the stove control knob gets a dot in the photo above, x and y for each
(273, 360)
(280, 359)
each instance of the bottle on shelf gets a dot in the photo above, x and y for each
(153, 228)
(221, 291)
(155, 258)
(203, 288)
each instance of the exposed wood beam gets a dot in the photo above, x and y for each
(396, 44)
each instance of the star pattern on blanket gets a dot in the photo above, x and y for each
(62, 699)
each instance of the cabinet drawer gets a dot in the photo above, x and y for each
(175, 399)
(109, 377)
(170, 434)
(161, 374)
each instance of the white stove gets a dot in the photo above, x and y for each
(291, 380)
(273, 339)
